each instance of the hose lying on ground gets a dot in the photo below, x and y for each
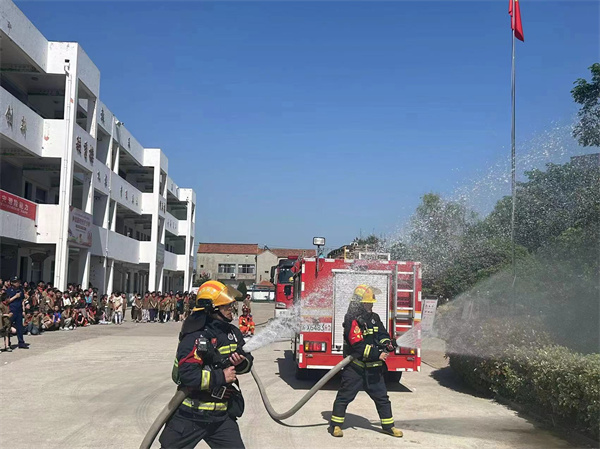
(182, 393)
(279, 416)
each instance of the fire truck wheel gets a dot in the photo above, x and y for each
(301, 373)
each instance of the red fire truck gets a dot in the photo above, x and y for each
(322, 291)
(281, 276)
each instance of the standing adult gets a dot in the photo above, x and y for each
(153, 305)
(118, 307)
(145, 305)
(16, 295)
(215, 402)
(364, 336)
(124, 303)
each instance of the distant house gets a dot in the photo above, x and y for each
(229, 263)
(268, 257)
(232, 263)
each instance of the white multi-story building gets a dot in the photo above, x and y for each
(81, 200)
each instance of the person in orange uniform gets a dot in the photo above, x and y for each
(246, 323)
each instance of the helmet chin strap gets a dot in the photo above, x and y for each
(228, 320)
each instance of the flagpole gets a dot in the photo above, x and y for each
(513, 168)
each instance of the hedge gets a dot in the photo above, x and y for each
(515, 360)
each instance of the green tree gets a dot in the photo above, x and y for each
(201, 279)
(242, 289)
(587, 94)
(549, 203)
(437, 230)
(371, 240)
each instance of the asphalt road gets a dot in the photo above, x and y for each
(102, 386)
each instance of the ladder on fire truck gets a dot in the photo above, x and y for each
(405, 286)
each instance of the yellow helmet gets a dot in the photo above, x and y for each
(365, 293)
(218, 293)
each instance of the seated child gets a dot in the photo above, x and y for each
(246, 323)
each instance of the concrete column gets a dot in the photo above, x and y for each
(117, 153)
(92, 122)
(187, 273)
(113, 224)
(88, 194)
(161, 275)
(111, 276)
(152, 281)
(85, 256)
(66, 177)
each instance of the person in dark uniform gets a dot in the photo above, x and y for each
(209, 358)
(16, 295)
(365, 338)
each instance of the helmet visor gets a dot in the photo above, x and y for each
(227, 296)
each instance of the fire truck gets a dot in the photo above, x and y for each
(281, 276)
(322, 289)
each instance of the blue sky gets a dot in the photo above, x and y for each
(295, 119)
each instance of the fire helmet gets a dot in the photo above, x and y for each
(365, 293)
(217, 293)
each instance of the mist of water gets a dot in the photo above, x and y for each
(551, 294)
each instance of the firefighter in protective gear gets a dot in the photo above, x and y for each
(209, 358)
(365, 338)
(246, 323)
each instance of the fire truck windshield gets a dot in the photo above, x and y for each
(284, 275)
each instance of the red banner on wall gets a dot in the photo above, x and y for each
(17, 205)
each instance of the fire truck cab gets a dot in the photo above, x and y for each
(321, 294)
(281, 276)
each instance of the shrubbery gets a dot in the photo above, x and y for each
(514, 359)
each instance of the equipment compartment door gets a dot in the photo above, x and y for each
(344, 283)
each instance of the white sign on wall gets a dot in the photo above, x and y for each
(80, 228)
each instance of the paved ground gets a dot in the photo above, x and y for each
(102, 386)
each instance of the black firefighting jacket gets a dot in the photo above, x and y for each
(211, 398)
(365, 337)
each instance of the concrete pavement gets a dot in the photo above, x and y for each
(102, 386)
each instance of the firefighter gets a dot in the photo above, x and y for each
(365, 338)
(246, 323)
(210, 356)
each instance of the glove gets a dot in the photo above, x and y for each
(392, 345)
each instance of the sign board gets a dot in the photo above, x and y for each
(428, 317)
(80, 228)
(17, 205)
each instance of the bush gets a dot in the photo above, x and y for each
(516, 361)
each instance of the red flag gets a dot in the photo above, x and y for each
(515, 23)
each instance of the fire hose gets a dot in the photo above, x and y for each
(182, 393)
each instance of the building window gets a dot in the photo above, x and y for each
(28, 191)
(226, 268)
(246, 268)
(40, 195)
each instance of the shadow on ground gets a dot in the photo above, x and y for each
(287, 372)
(448, 378)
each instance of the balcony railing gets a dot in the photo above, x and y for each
(126, 194)
(20, 124)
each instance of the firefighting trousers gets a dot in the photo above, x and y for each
(181, 432)
(373, 382)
